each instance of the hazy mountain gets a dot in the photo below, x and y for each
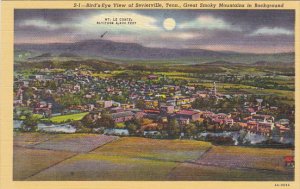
(132, 51)
(265, 63)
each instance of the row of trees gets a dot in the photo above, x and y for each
(221, 105)
(172, 129)
(256, 81)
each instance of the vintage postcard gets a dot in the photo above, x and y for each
(124, 94)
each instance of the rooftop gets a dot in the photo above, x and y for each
(187, 112)
(122, 114)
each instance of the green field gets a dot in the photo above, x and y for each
(222, 86)
(64, 118)
(282, 93)
(38, 116)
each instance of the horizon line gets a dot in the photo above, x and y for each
(224, 51)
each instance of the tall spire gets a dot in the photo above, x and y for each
(214, 89)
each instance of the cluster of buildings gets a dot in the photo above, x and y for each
(143, 99)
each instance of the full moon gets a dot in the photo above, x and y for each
(169, 24)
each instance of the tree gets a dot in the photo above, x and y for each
(205, 123)
(198, 103)
(119, 98)
(173, 128)
(160, 127)
(88, 121)
(242, 136)
(77, 124)
(137, 122)
(28, 94)
(80, 127)
(132, 128)
(30, 123)
(140, 104)
(200, 126)
(276, 132)
(51, 85)
(70, 100)
(235, 127)
(104, 112)
(190, 129)
(105, 121)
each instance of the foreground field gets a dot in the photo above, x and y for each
(99, 157)
(164, 150)
(236, 163)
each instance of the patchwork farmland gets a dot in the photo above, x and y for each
(39, 156)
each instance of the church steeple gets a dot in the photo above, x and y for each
(214, 91)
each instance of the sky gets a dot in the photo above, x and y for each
(252, 31)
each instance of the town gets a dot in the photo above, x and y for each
(148, 105)
(174, 95)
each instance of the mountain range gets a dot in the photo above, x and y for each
(123, 52)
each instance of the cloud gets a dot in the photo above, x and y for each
(208, 22)
(180, 35)
(142, 23)
(89, 24)
(233, 30)
(272, 31)
(41, 24)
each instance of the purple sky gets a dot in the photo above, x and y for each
(258, 31)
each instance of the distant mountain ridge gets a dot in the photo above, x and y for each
(133, 51)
